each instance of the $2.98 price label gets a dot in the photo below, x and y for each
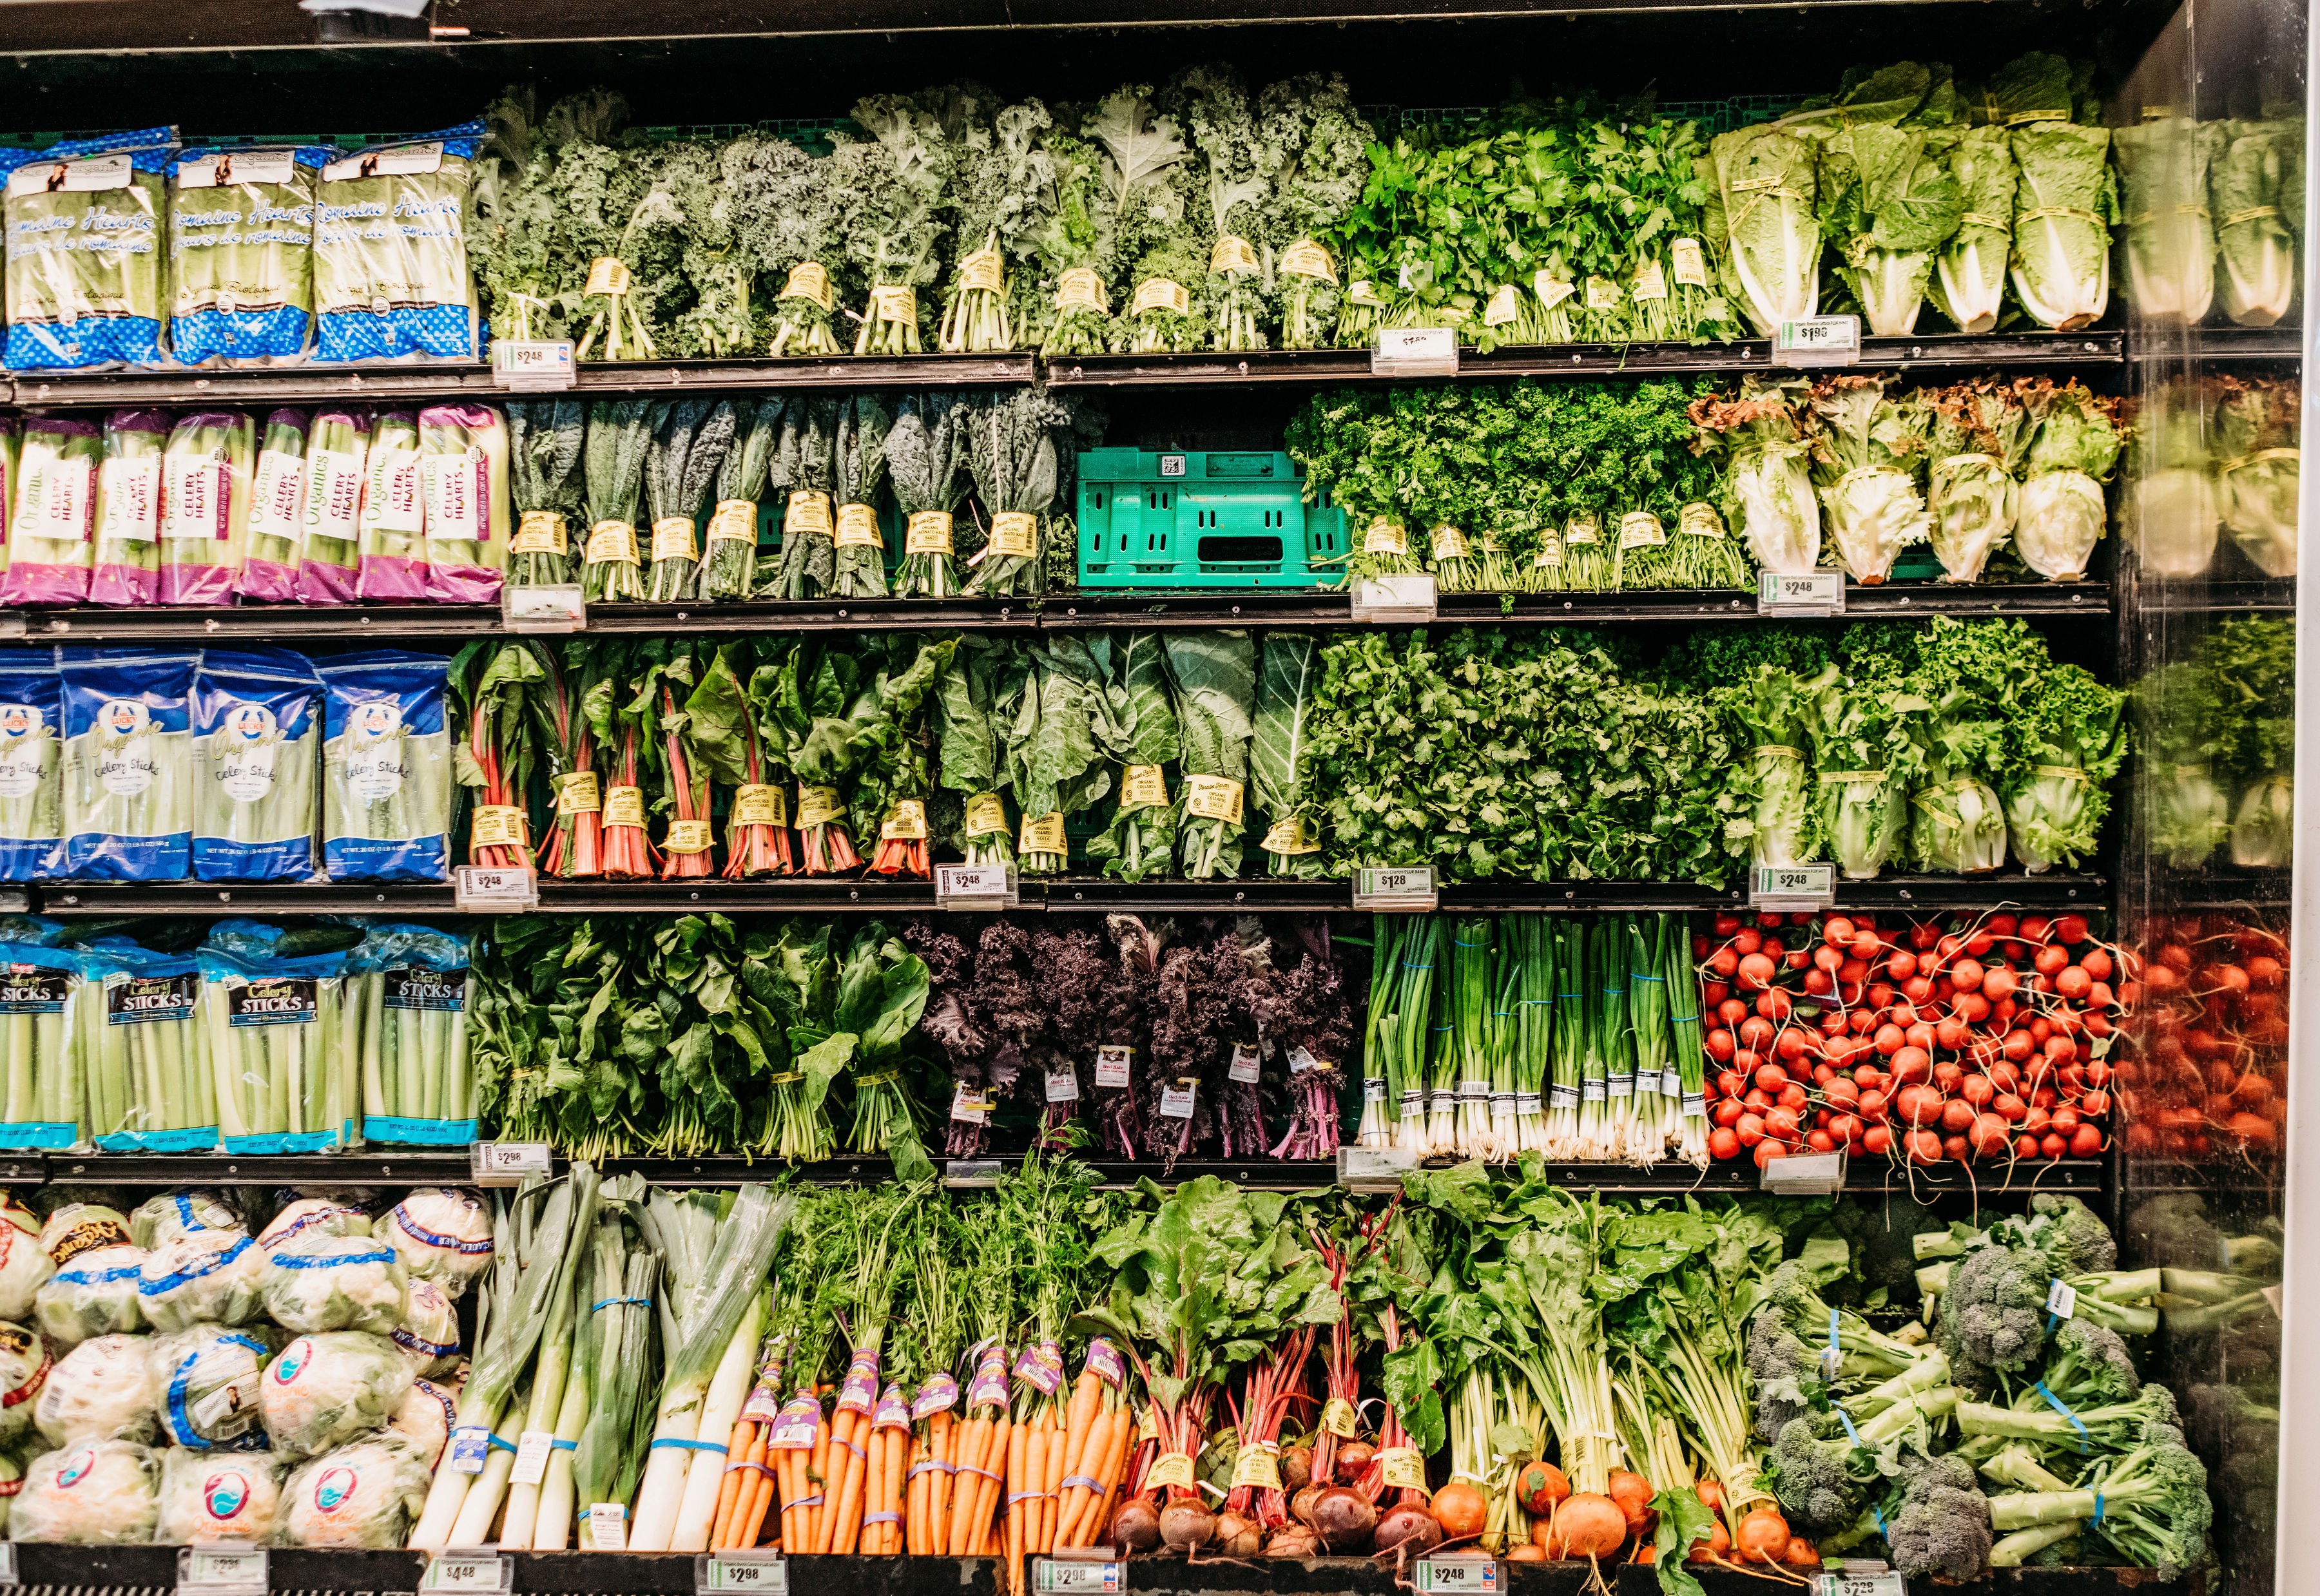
(742, 1571)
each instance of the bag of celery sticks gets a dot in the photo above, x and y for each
(39, 1093)
(8, 447)
(31, 767)
(277, 511)
(463, 454)
(337, 450)
(84, 262)
(151, 1086)
(49, 536)
(387, 766)
(256, 731)
(129, 509)
(205, 472)
(128, 764)
(393, 540)
(411, 984)
(391, 278)
(276, 1028)
(241, 262)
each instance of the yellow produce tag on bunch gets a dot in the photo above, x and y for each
(1691, 263)
(1503, 308)
(1014, 535)
(607, 275)
(734, 520)
(1232, 255)
(1080, 289)
(1258, 1467)
(499, 825)
(577, 793)
(1043, 834)
(758, 804)
(809, 279)
(1293, 835)
(1142, 786)
(624, 806)
(686, 837)
(1448, 543)
(1338, 1416)
(986, 815)
(1404, 1468)
(1385, 537)
(808, 512)
(984, 270)
(1159, 294)
(905, 822)
(1213, 798)
(817, 806)
(541, 532)
(672, 539)
(612, 542)
(1306, 259)
(929, 532)
(1170, 1468)
(857, 528)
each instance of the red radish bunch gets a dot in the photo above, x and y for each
(1973, 1038)
(2211, 1064)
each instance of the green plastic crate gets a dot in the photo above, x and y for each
(1203, 519)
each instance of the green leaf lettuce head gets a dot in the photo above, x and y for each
(1868, 457)
(1974, 440)
(1765, 436)
(2074, 443)
(1864, 763)
(1972, 674)
(2072, 742)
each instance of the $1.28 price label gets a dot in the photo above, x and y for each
(1405, 888)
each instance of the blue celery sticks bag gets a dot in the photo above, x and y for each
(153, 1080)
(257, 721)
(128, 764)
(391, 278)
(409, 987)
(31, 766)
(85, 279)
(42, 993)
(286, 1080)
(387, 766)
(241, 256)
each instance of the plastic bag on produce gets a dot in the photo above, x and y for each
(284, 1062)
(128, 764)
(391, 278)
(207, 471)
(51, 533)
(31, 767)
(329, 519)
(85, 275)
(463, 455)
(79, 1227)
(128, 559)
(208, 1380)
(424, 1419)
(102, 1389)
(257, 728)
(94, 1295)
(276, 538)
(429, 1334)
(159, 1221)
(203, 1277)
(241, 263)
(365, 1494)
(444, 1234)
(148, 1082)
(336, 1282)
(326, 1389)
(313, 1216)
(210, 1497)
(41, 991)
(392, 543)
(386, 767)
(412, 985)
(23, 1263)
(100, 1493)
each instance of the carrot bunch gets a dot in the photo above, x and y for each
(745, 1497)
(1098, 1428)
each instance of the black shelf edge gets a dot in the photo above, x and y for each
(2221, 343)
(648, 1574)
(288, 1568)
(1279, 608)
(2196, 596)
(1250, 894)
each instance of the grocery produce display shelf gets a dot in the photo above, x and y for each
(1891, 601)
(1065, 894)
(2207, 344)
(2200, 596)
(288, 1568)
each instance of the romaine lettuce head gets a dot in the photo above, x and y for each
(1765, 189)
(102, 1389)
(2247, 188)
(96, 1493)
(212, 1497)
(2168, 252)
(326, 1389)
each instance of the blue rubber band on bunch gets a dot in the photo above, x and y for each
(1845, 1418)
(1407, 965)
(622, 1302)
(2096, 1520)
(562, 1446)
(2086, 1442)
(1683, 1019)
(1639, 975)
(496, 1441)
(687, 1445)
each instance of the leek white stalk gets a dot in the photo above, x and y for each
(727, 1390)
(546, 1406)
(480, 1509)
(553, 1532)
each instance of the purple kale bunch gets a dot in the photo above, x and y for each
(1306, 1019)
(1191, 1027)
(1076, 974)
(1122, 1104)
(1243, 965)
(951, 1022)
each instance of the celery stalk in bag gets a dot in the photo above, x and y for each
(337, 450)
(151, 1085)
(255, 720)
(241, 262)
(387, 766)
(463, 454)
(391, 279)
(129, 509)
(410, 986)
(206, 472)
(276, 1032)
(393, 513)
(277, 511)
(84, 275)
(41, 991)
(8, 442)
(31, 761)
(128, 764)
(49, 536)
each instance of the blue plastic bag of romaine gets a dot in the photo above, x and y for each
(256, 738)
(85, 273)
(152, 1081)
(287, 1075)
(387, 766)
(391, 278)
(409, 987)
(128, 764)
(31, 766)
(242, 257)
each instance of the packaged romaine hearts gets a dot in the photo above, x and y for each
(391, 278)
(241, 262)
(85, 264)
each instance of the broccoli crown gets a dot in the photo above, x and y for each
(2073, 1238)
(1882, 1236)
(1993, 1314)
(1939, 1521)
(2165, 1516)
(2089, 1366)
(1781, 1367)
(1811, 1470)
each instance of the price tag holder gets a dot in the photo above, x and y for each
(468, 1570)
(15, 900)
(1792, 889)
(538, 365)
(1407, 600)
(13, 625)
(1075, 1576)
(494, 889)
(1807, 1174)
(1817, 340)
(1374, 1169)
(976, 888)
(766, 1571)
(1801, 595)
(211, 1570)
(507, 1163)
(1396, 889)
(8, 1563)
(553, 607)
(1473, 1576)
(1859, 1581)
(970, 1174)
(1415, 352)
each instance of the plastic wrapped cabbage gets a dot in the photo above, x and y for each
(102, 1389)
(2263, 829)
(2060, 514)
(328, 1388)
(95, 1294)
(24, 1370)
(207, 1380)
(313, 1216)
(11, 1479)
(365, 1494)
(23, 1265)
(424, 1419)
(444, 1234)
(429, 1334)
(335, 1283)
(79, 1227)
(219, 1496)
(203, 1277)
(164, 1219)
(100, 1493)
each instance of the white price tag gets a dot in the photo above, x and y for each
(8, 1563)
(469, 1571)
(1396, 889)
(1480, 1575)
(1819, 340)
(1245, 1067)
(1374, 1169)
(1177, 1101)
(219, 1570)
(608, 1526)
(766, 1571)
(1415, 352)
(552, 607)
(2062, 1298)
(976, 888)
(1805, 1174)
(538, 365)
(1407, 600)
(1792, 888)
(471, 1444)
(507, 1163)
(1111, 1065)
(1860, 1582)
(1809, 594)
(970, 1174)
(1063, 1086)
(532, 1450)
(494, 889)
(1053, 1576)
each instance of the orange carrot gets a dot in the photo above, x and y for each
(963, 1485)
(1109, 1479)
(898, 1449)
(729, 1485)
(1051, 1498)
(818, 1485)
(1073, 1506)
(1035, 1473)
(845, 1529)
(1016, 1515)
(991, 1481)
(1085, 1396)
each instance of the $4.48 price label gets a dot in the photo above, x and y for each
(468, 1572)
